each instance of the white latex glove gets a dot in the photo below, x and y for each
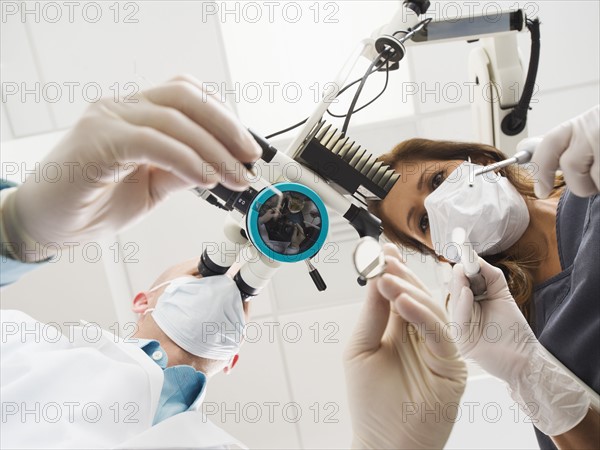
(496, 335)
(122, 158)
(397, 378)
(574, 147)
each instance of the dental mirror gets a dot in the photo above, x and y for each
(369, 259)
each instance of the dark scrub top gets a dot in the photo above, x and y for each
(567, 306)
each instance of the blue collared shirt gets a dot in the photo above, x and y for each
(183, 385)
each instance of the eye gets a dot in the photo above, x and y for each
(436, 180)
(424, 223)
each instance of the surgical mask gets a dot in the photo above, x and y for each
(491, 211)
(203, 316)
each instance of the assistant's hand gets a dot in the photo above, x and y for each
(574, 147)
(396, 375)
(495, 334)
(122, 158)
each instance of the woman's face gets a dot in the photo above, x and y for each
(404, 206)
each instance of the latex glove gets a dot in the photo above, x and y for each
(574, 147)
(496, 335)
(122, 158)
(403, 387)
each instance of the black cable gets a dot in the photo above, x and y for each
(387, 73)
(363, 79)
(359, 90)
(348, 86)
(277, 133)
(344, 89)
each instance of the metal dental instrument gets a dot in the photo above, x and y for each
(522, 157)
(525, 150)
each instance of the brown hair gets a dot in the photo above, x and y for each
(517, 270)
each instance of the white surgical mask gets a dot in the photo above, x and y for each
(202, 316)
(488, 207)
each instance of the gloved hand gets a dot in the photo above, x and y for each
(122, 158)
(574, 147)
(403, 386)
(496, 335)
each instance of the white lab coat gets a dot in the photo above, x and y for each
(91, 390)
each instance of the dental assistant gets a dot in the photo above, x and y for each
(542, 294)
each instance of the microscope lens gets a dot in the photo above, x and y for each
(289, 225)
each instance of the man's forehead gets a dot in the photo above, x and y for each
(189, 266)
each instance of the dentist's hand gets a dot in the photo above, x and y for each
(122, 158)
(496, 335)
(396, 375)
(574, 147)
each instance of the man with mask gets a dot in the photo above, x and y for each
(95, 389)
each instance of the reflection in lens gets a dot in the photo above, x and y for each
(290, 225)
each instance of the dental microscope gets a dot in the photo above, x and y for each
(284, 217)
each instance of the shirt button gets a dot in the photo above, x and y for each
(156, 356)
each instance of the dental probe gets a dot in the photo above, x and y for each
(525, 151)
(470, 262)
(521, 157)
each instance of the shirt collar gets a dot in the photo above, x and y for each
(189, 381)
(152, 348)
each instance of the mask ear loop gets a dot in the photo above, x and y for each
(158, 286)
(147, 311)
(164, 283)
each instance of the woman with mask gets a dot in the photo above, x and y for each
(546, 253)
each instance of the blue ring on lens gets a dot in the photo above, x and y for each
(254, 233)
